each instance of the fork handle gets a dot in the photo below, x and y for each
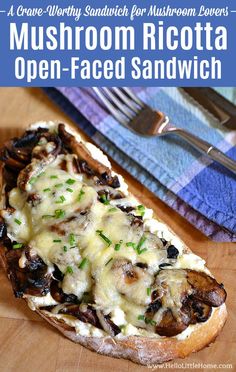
(207, 149)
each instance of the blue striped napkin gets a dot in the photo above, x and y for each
(200, 190)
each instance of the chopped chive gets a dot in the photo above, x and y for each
(59, 213)
(65, 249)
(81, 193)
(112, 209)
(148, 291)
(61, 200)
(17, 246)
(53, 177)
(104, 200)
(142, 251)
(17, 221)
(130, 244)
(147, 320)
(109, 261)
(57, 241)
(40, 143)
(150, 321)
(48, 216)
(140, 244)
(70, 181)
(41, 174)
(69, 270)
(83, 263)
(58, 185)
(141, 317)
(69, 189)
(47, 189)
(32, 180)
(118, 245)
(141, 209)
(72, 239)
(104, 237)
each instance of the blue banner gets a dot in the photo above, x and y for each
(125, 43)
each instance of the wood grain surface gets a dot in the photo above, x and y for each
(27, 343)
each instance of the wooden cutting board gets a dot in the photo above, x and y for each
(27, 343)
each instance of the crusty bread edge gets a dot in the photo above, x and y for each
(142, 350)
(145, 350)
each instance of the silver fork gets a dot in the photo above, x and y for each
(137, 116)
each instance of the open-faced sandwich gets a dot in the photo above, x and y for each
(91, 260)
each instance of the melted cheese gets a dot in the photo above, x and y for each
(67, 203)
(36, 302)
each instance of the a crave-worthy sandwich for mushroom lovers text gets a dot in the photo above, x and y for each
(88, 257)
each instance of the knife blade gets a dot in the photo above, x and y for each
(221, 108)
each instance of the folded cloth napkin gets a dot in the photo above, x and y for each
(200, 190)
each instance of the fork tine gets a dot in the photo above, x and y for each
(122, 106)
(116, 113)
(130, 103)
(134, 97)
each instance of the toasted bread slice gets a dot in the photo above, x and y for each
(90, 259)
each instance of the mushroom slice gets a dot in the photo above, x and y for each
(79, 221)
(176, 284)
(186, 297)
(33, 261)
(153, 307)
(80, 150)
(59, 296)
(28, 140)
(43, 154)
(172, 287)
(170, 325)
(109, 193)
(198, 311)
(9, 177)
(9, 160)
(132, 281)
(28, 280)
(205, 288)
(84, 154)
(17, 152)
(34, 199)
(49, 144)
(107, 324)
(3, 229)
(85, 313)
